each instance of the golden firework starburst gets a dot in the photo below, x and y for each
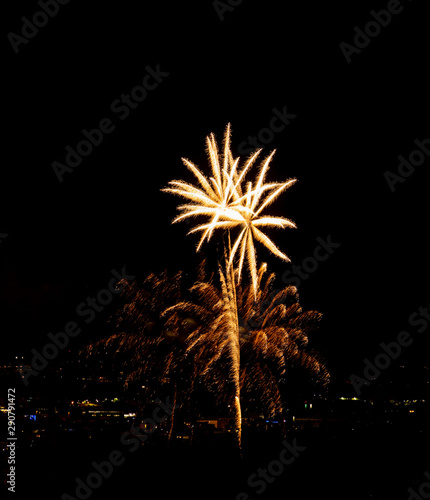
(223, 199)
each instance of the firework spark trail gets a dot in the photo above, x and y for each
(230, 304)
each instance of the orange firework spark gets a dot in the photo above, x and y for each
(273, 334)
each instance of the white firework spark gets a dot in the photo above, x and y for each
(228, 205)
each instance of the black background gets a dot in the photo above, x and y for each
(353, 121)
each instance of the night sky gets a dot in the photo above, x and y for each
(352, 121)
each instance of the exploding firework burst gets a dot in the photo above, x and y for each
(229, 202)
(140, 346)
(273, 335)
